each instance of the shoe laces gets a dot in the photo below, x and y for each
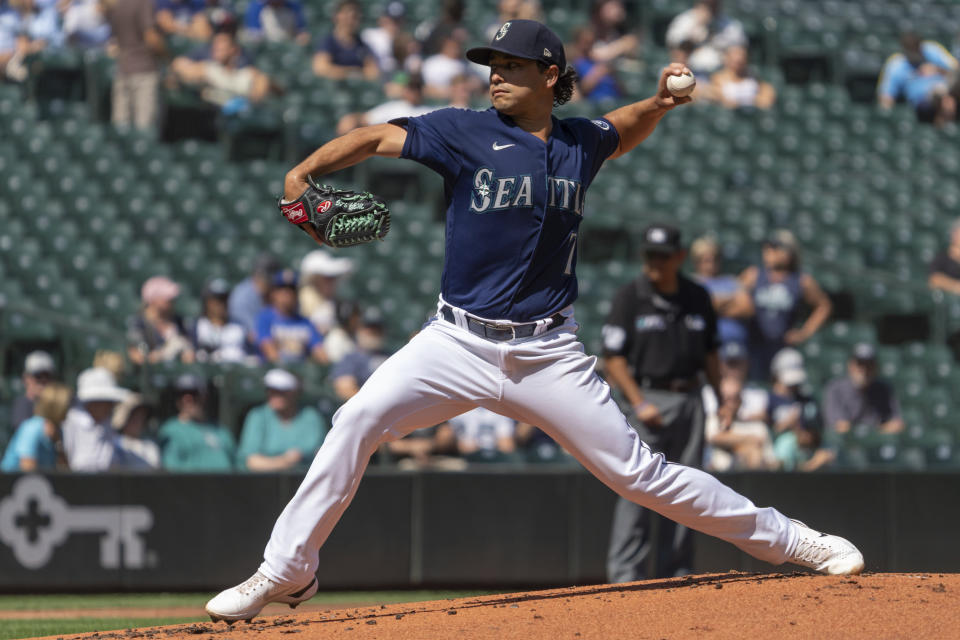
(253, 584)
(812, 551)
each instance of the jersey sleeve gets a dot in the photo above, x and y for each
(937, 54)
(431, 139)
(617, 331)
(264, 326)
(892, 77)
(599, 140)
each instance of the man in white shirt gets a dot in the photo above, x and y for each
(381, 38)
(409, 105)
(706, 33)
(482, 435)
(89, 440)
(440, 70)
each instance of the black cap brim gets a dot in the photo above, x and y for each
(481, 55)
(659, 248)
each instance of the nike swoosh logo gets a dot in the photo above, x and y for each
(498, 147)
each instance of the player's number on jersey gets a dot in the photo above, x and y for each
(573, 251)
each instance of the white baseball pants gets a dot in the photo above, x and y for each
(546, 380)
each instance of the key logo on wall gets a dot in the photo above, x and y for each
(34, 521)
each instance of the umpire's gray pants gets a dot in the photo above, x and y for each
(680, 439)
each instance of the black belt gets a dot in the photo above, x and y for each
(679, 385)
(501, 332)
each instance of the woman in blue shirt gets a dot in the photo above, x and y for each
(33, 446)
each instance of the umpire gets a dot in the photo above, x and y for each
(658, 340)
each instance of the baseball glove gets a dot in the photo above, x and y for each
(338, 217)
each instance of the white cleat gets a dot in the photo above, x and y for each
(245, 600)
(825, 553)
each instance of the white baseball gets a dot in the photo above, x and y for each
(682, 85)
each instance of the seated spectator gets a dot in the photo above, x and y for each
(213, 337)
(342, 53)
(356, 367)
(754, 398)
(276, 21)
(731, 302)
(745, 444)
(794, 416)
(223, 75)
(945, 268)
(614, 38)
(736, 87)
(249, 297)
(596, 80)
(388, 41)
(139, 47)
(778, 289)
(89, 440)
(189, 442)
(84, 23)
(440, 70)
(321, 273)
(699, 36)
(341, 339)
(432, 32)
(279, 435)
(26, 28)
(157, 333)
(38, 371)
(923, 74)
(861, 399)
(483, 436)
(33, 446)
(537, 446)
(130, 419)
(186, 18)
(283, 335)
(425, 448)
(409, 105)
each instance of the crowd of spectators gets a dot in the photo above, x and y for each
(283, 318)
(209, 48)
(767, 416)
(277, 319)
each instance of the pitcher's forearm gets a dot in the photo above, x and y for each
(346, 151)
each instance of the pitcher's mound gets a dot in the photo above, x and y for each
(730, 605)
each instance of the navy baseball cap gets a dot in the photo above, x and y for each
(217, 288)
(731, 351)
(864, 352)
(285, 278)
(524, 39)
(188, 382)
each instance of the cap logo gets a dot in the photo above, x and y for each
(657, 235)
(546, 52)
(503, 31)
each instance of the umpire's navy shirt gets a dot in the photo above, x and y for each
(514, 204)
(661, 336)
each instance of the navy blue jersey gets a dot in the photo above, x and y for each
(514, 204)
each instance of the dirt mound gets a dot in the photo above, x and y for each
(730, 605)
